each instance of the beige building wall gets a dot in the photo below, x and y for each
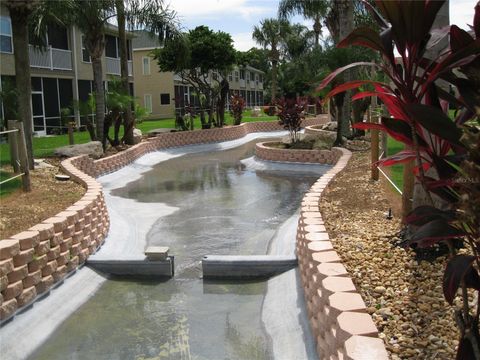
(150, 83)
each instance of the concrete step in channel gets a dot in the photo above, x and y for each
(246, 266)
(156, 263)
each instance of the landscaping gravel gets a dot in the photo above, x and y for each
(403, 295)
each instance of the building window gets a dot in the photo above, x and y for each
(85, 54)
(6, 45)
(165, 99)
(242, 74)
(148, 102)
(236, 76)
(248, 77)
(230, 77)
(146, 65)
(111, 48)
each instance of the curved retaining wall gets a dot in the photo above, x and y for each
(33, 261)
(338, 318)
(327, 134)
(264, 152)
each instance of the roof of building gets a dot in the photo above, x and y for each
(144, 40)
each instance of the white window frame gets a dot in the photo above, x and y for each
(9, 35)
(143, 65)
(145, 97)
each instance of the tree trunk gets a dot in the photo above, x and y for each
(19, 18)
(99, 99)
(346, 25)
(338, 101)
(274, 81)
(317, 29)
(127, 116)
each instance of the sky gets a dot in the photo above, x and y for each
(238, 17)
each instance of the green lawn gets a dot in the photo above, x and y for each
(45, 146)
(395, 171)
(9, 186)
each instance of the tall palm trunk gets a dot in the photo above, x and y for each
(127, 115)
(274, 81)
(317, 29)
(99, 99)
(346, 25)
(19, 18)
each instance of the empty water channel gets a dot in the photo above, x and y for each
(197, 200)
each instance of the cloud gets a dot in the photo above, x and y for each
(208, 9)
(461, 13)
(243, 41)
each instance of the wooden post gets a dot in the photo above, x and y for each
(71, 139)
(13, 143)
(22, 151)
(408, 187)
(374, 153)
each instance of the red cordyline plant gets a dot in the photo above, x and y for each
(237, 104)
(291, 112)
(437, 144)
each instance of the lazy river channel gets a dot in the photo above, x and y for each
(197, 202)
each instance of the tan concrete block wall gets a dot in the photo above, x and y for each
(32, 261)
(337, 313)
(264, 152)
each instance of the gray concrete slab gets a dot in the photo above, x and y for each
(246, 266)
(163, 268)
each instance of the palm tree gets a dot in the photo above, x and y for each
(271, 35)
(158, 20)
(20, 12)
(309, 9)
(91, 17)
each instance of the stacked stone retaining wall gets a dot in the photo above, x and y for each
(266, 152)
(340, 324)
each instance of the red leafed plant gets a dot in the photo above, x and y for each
(291, 112)
(449, 148)
(237, 104)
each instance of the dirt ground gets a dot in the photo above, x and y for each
(19, 210)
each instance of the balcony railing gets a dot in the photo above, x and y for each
(113, 66)
(50, 58)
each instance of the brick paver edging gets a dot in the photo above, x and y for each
(33, 261)
(340, 324)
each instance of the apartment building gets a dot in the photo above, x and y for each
(163, 93)
(154, 89)
(61, 73)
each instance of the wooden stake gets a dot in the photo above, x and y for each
(13, 143)
(22, 151)
(374, 141)
(71, 139)
(408, 187)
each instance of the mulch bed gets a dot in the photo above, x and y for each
(403, 295)
(19, 210)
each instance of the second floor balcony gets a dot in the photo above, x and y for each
(113, 66)
(50, 58)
